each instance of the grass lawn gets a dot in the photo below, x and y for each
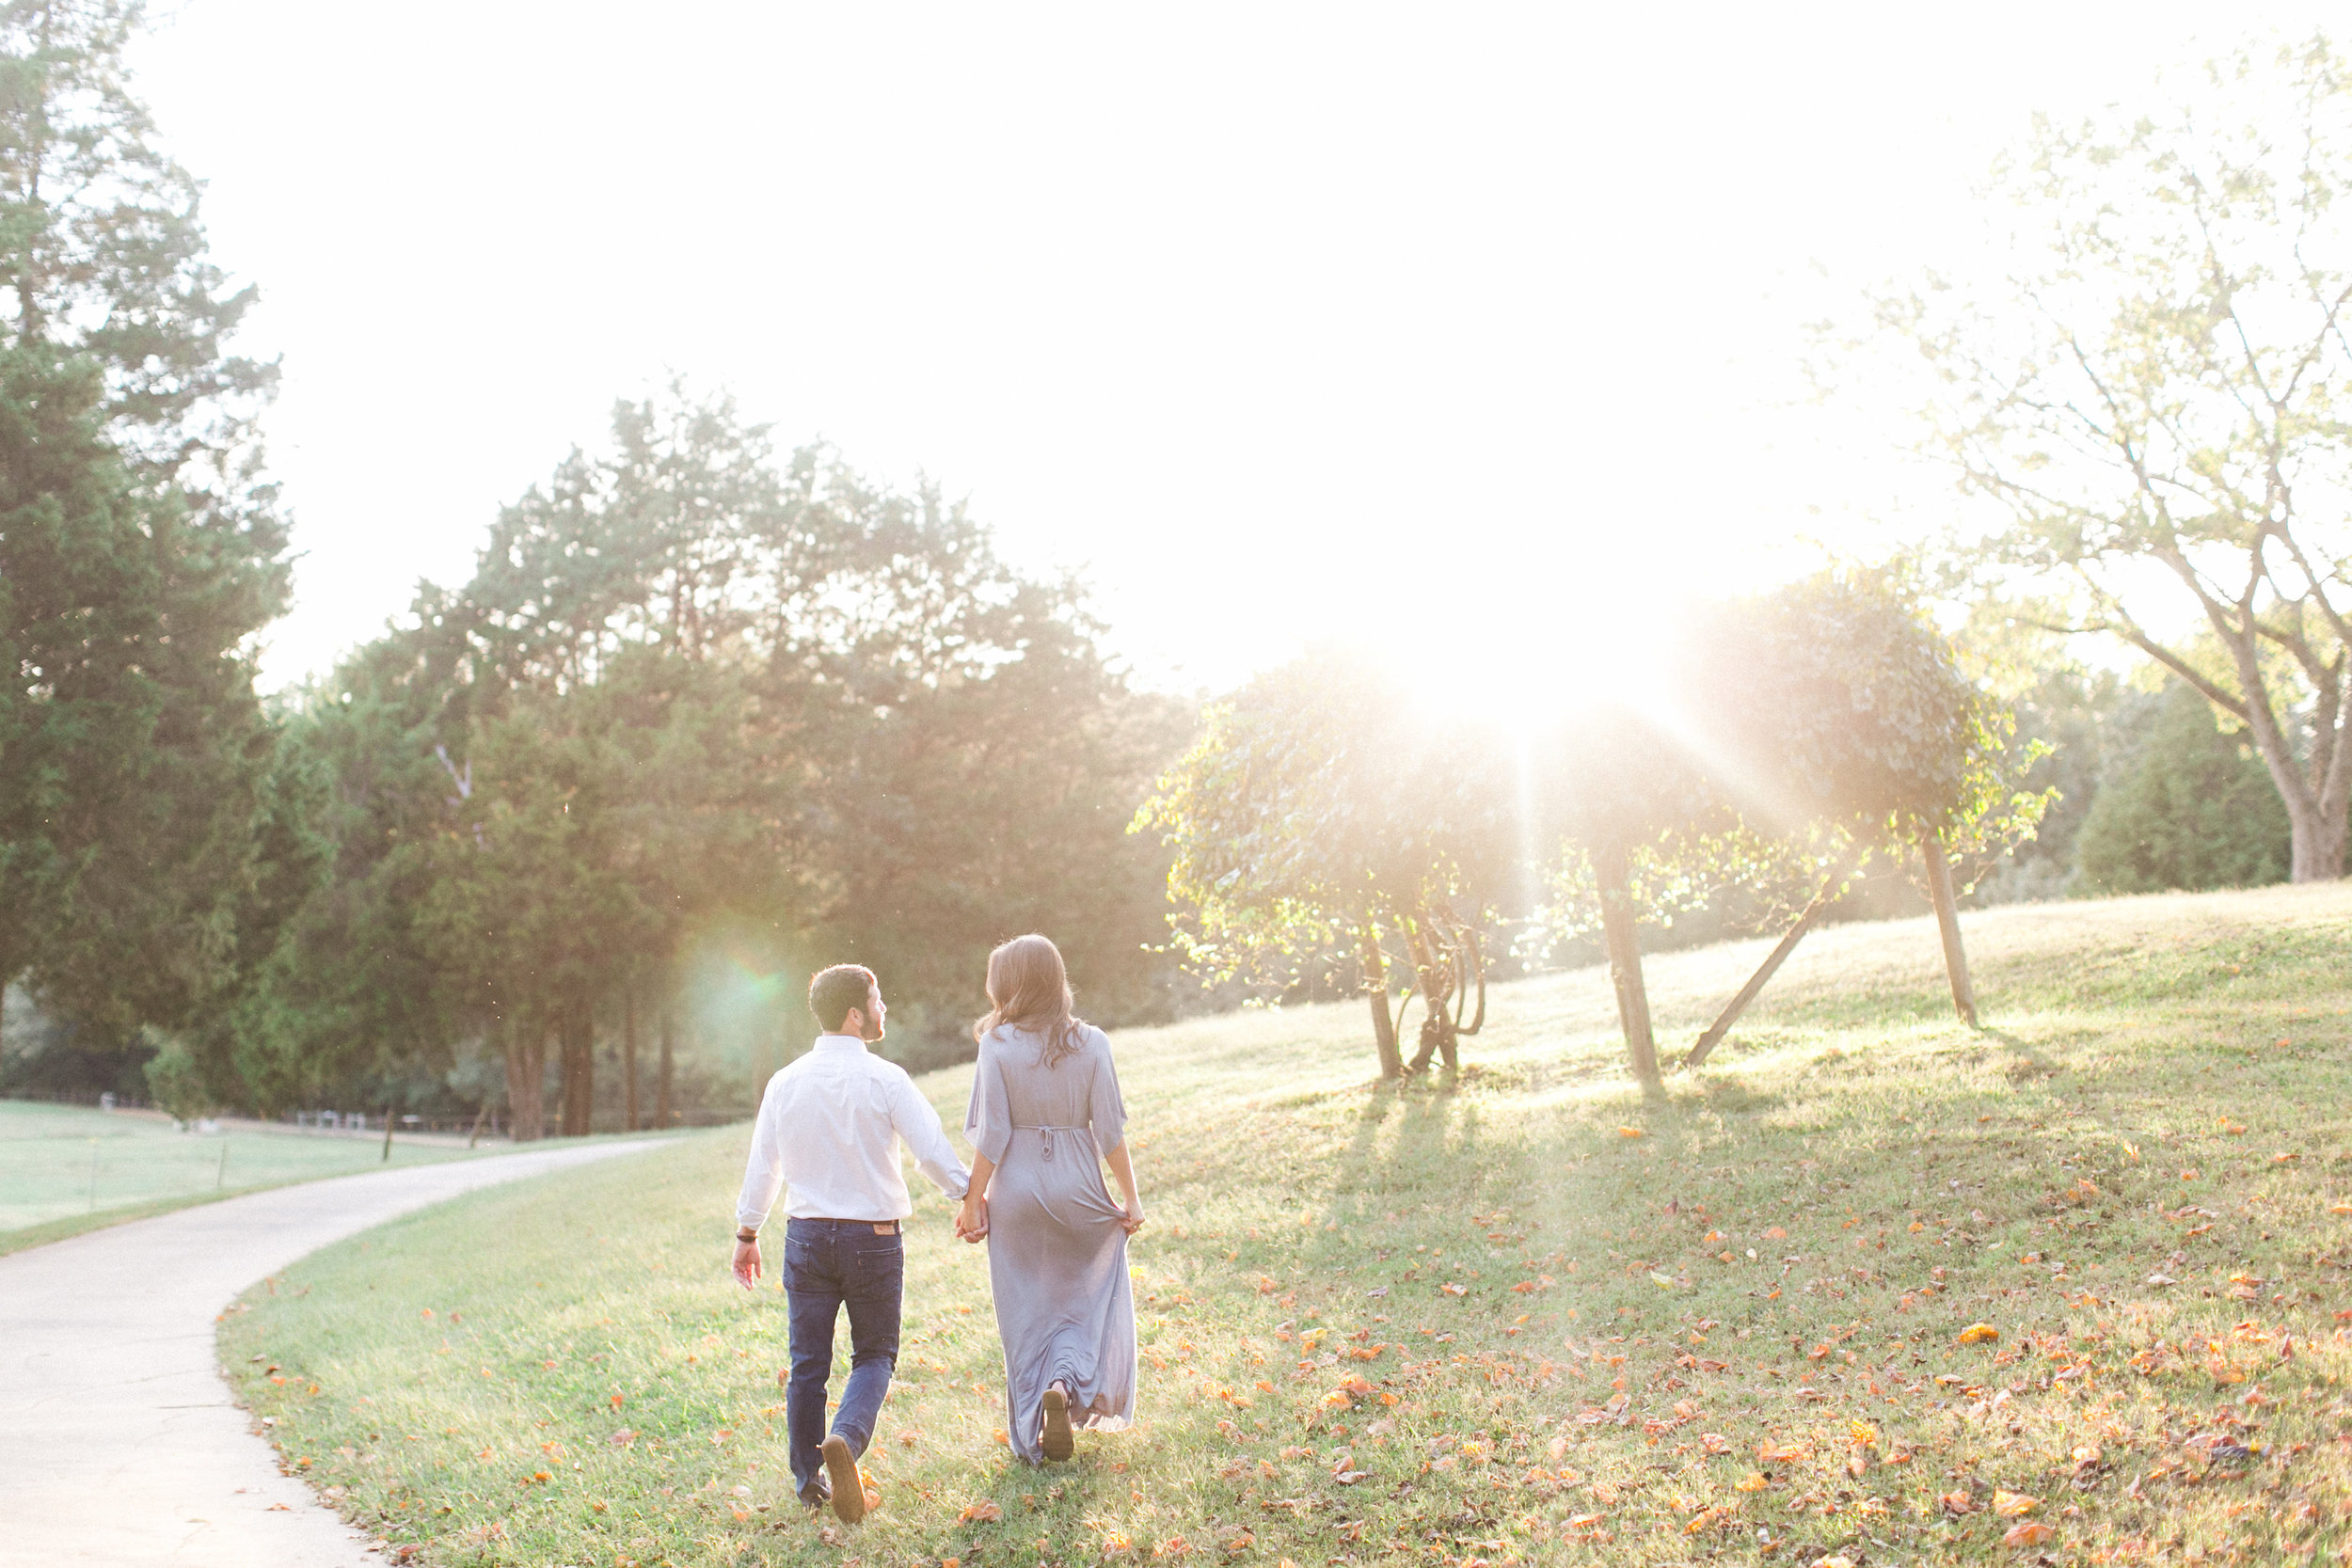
(143, 1167)
(1873, 1286)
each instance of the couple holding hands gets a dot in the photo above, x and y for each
(1045, 1118)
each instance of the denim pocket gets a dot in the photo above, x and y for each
(799, 1257)
(880, 1263)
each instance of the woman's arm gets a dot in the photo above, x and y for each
(1124, 1169)
(972, 1220)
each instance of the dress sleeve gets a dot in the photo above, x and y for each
(1107, 1109)
(988, 1125)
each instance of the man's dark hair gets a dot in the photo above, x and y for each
(835, 991)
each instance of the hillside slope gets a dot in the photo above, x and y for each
(1872, 1285)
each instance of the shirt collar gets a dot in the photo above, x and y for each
(839, 1042)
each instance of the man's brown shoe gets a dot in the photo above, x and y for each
(1058, 1444)
(848, 1490)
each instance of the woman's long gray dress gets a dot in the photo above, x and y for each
(1057, 1252)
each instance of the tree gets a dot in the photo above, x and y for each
(1319, 818)
(691, 688)
(1639, 830)
(2156, 393)
(2189, 807)
(139, 547)
(1836, 718)
(1788, 738)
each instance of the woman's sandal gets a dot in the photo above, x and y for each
(1059, 1443)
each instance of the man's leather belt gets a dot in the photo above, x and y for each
(881, 1227)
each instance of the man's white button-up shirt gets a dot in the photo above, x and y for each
(828, 1130)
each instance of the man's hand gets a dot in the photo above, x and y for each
(747, 1264)
(972, 1219)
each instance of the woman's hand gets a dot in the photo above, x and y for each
(1131, 1220)
(972, 1219)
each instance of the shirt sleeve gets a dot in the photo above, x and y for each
(1106, 1108)
(763, 1173)
(919, 1128)
(988, 1124)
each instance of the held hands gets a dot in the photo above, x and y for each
(747, 1264)
(972, 1219)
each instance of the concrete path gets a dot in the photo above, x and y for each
(119, 1441)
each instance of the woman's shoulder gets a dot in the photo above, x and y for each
(1093, 1040)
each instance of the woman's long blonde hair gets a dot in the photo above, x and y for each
(1029, 989)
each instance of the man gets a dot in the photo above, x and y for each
(828, 1130)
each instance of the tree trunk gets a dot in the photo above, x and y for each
(1434, 974)
(2316, 812)
(662, 1075)
(1622, 936)
(1376, 967)
(526, 1070)
(579, 1069)
(1947, 922)
(629, 1059)
(1765, 970)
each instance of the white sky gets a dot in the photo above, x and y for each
(1281, 322)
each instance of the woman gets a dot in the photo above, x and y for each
(1045, 1114)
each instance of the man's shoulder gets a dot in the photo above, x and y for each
(888, 1071)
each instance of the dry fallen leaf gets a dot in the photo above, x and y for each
(2013, 1505)
(1752, 1481)
(981, 1512)
(1958, 1502)
(2032, 1533)
(1783, 1453)
(1628, 1132)
(1977, 1333)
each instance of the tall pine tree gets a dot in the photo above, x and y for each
(140, 546)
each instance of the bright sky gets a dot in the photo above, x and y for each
(1282, 322)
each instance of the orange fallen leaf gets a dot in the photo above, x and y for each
(1775, 1234)
(1783, 1453)
(1977, 1333)
(1958, 1502)
(2013, 1505)
(2032, 1533)
(1752, 1481)
(981, 1512)
(1629, 1133)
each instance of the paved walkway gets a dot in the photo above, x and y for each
(119, 1441)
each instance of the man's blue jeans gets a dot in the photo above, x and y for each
(829, 1264)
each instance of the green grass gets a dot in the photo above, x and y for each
(1530, 1317)
(143, 1167)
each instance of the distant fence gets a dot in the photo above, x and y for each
(101, 1099)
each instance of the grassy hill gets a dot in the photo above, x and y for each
(1873, 1286)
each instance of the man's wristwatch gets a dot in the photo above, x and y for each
(745, 1233)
